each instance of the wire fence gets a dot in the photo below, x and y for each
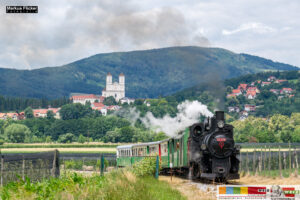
(87, 162)
(35, 166)
(269, 161)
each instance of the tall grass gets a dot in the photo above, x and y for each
(120, 184)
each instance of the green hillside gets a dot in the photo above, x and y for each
(149, 73)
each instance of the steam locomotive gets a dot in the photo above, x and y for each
(204, 150)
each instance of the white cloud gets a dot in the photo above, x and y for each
(254, 27)
(64, 31)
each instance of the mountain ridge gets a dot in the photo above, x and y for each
(149, 73)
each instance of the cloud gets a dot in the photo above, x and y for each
(254, 27)
(64, 31)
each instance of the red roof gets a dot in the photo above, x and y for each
(280, 81)
(252, 89)
(266, 83)
(287, 89)
(236, 91)
(251, 92)
(98, 104)
(81, 97)
(249, 106)
(244, 86)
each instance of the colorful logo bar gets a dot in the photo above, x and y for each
(272, 192)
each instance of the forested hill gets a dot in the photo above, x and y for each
(149, 73)
(270, 99)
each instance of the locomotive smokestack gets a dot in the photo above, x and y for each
(220, 115)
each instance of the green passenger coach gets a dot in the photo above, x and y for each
(172, 152)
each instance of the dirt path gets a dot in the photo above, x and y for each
(196, 190)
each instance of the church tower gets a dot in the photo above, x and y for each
(108, 79)
(116, 89)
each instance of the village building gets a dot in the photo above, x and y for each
(251, 94)
(280, 81)
(249, 108)
(265, 83)
(275, 91)
(233, 109)
(116, 90)
(271, 78)
(126, 100)
(286, 91)
(100, 107)
(236, 92)
(43, 112)
(242, 87)
(84, 98)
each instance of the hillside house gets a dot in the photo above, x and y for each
(265, 83)
(249, 108)
(275, 91)
(43, 112)
(126, 100)
(237, 92)
(242, 87)
(271, 78)
(13, 116)
(280, 81)
(253, 89)
(84, 98)
(233, 109)
(251, 95)
(286, 91)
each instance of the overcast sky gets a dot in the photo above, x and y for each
(64, 31)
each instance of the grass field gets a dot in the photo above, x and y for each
(116, 185)
(62, 150)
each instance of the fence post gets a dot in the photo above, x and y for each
(296, 162)
(247, 163)
(254, 160)
(265, 157)
(157, 167)
(279, 160)
(102, 165)
(290, 159)
(23, 168)
(284, 160)
(54, 167)
(2, 168)
(269, 167)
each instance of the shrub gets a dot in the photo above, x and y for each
(145, 167)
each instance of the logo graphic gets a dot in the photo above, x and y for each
(221, 142)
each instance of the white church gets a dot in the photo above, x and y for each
(117, 90)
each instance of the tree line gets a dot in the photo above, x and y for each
(18, 104)
(278, 128)
(78, 123)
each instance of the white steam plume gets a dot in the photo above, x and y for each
(188, 114)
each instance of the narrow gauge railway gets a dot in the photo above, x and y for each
(204, 150)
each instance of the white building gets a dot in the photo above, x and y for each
(84, 98)
(117, 90)
(126, 100)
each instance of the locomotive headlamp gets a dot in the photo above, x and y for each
(220, 124)
(203, 146)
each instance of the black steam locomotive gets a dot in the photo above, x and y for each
(204, 150)
(212, 151)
